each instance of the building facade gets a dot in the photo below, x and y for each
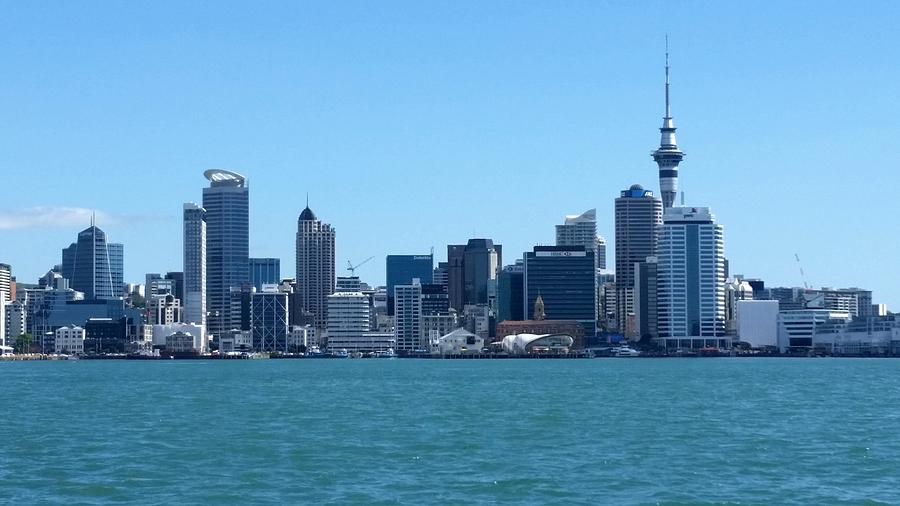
(565, 278)
(638, 218)
(315, 267)
(227, 205)
(348, 321)
(511, 292)
(402, 269)
(87, 266)
(264, 271)
(408, 317)
(69, 340)
(194, 258)
(270, 319)
(691, 279)
(472, 271)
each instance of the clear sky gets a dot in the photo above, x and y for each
(418, 124)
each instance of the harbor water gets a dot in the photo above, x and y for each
(406, 431)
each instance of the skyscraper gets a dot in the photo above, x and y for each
(691, 279)
(86, 264)
(408, 316)
(117, 267)
(511, 292)
(565, 278)
(472, 272)
(264, 271)
(315, 266)
(668, 156)
(269, 319)
(581, 230)
(402, 269)
(5, 282)
(227, 205)
(194, 264)
(638, 216)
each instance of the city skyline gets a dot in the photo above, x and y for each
(604, 132)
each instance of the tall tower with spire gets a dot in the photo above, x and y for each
(668, 156)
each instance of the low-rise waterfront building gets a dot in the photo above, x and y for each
(796, 328)
(69, 340)
(159, 333)
(757, 322)
(457, 342)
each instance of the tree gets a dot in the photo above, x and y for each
(23, 343)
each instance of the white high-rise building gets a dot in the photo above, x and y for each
(348, 321)
(3, 339)
(16, 320)
(5, 282)
(408, 316)
(581, 230)
(691, 279)
(315, 267)
(194, 264)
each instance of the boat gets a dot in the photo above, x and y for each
(625, 351)
(315, 352)
(389, 353)
(342, 353)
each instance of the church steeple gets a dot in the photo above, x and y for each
(539, 308)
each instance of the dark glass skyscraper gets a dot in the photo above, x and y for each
(565, 278)
(471, 270)
(87, 266)
(264, 271)
(511, 292)
(227, 205)
(402, 269)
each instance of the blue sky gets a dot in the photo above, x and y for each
(418, 124)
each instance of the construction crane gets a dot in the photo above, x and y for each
(802, 274)
(352, 268)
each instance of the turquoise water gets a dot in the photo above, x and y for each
(611, 431)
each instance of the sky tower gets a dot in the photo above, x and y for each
(668, 156)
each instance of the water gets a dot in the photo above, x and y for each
(612, 431)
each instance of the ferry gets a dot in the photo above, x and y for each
(386, 354)
(315, 352)
(625, 351)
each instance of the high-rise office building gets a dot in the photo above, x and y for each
(645, 299)
(472, 271)
(439, 275)
(691, 279)
(408, 316)
(87, 266)
(194, 264)
(511, 292)
(117, 267)
(667, 156)
(315, 266)
(348, 320)
(638, 216)
(402, 269)
(227, 205)
(601, 252)
(5, 282)
(566, 279)
(264, 271)
(269, 319)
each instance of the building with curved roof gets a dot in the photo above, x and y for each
(526, 344)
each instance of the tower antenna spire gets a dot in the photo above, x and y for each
(668, 115)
